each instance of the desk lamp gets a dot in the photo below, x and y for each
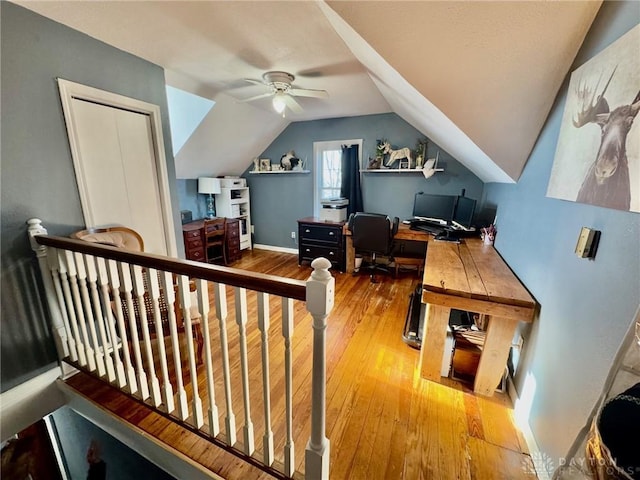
(209, 186)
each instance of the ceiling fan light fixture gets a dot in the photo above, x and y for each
(278, 102)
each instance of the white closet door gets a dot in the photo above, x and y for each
(117, 163)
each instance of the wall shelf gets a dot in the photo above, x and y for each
(392, 170)
(279, 172)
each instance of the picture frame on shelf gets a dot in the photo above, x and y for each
(265, 164)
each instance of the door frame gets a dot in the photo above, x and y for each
(69, 91)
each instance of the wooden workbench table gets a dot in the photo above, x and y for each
(471, 276)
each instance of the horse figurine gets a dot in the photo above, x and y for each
(395, 154)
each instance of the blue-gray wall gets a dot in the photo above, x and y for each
(190, 199)
(38, 179)
(278, 201)
(585, 306)
(75, 434)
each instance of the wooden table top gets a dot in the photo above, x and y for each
(473, 270)
(404, 233)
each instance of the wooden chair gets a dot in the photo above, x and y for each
(123, 237)
(215, 239)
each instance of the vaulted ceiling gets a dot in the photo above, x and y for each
(478, 78)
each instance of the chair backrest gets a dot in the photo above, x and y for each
(373, 232)
(121, 237)
(214, 230)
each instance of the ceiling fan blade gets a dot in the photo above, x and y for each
(305, 92)
(292, 104)
(250, 99)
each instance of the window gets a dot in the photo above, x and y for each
(327, 158)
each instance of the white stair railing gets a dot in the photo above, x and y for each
(107, 304)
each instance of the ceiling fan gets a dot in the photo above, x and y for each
(282, 90)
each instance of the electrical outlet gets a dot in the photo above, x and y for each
(293, 235)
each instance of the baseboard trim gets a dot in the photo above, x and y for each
(273, 248)
(29, 402)
(527, 433)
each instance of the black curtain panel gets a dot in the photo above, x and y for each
(350, 188)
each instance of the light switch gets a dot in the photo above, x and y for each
(587, 243)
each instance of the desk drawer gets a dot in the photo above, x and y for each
(196, 255)
(191, 243)
(321, 233)
(192, 234)
(311, 252)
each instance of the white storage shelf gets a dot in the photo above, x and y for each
(233, 202)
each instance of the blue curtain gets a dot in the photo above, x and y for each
(350, 188)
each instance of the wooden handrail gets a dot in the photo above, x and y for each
(271, 284)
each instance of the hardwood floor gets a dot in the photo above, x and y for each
(383, 421)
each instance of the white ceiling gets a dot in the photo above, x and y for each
(478, 78)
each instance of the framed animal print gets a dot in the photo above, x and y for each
(597, 158)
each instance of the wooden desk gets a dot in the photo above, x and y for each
(471, 276)
(404, 233)
(193, 236)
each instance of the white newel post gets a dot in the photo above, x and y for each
(320, 297)
(58, 326)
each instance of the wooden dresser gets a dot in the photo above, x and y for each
(319, 238)
(193, 236)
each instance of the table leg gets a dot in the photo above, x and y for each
(434, 335)
(350, 253)
(494, 354)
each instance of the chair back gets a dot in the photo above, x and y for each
(373, 232)
(121, 237)
(215, 233)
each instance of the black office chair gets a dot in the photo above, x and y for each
(372, 233)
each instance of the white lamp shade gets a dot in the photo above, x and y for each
(209, 185)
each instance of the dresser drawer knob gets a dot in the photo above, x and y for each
(331, 254)
(332, 233)
(307, 250)
(307, 231)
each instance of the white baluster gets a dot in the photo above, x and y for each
(64, 280)
(72, 273)
(103, 351)
(114, 281)
(93, 350)
(185, 304)
(170, 298)
(107, 310)
(138, 288)
(56, 277)
(263, 325)
(53, 293)
(221, 313)
(287, 333)
(241, 320)
(154, 293)
(126, 287)
(320, 297)
(203, 306)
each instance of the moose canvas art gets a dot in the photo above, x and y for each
(597, 158)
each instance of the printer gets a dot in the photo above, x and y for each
(334, 210)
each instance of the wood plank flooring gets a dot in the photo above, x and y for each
(383, 421)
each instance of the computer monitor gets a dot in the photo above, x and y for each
(465, 208)
(427, 205)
